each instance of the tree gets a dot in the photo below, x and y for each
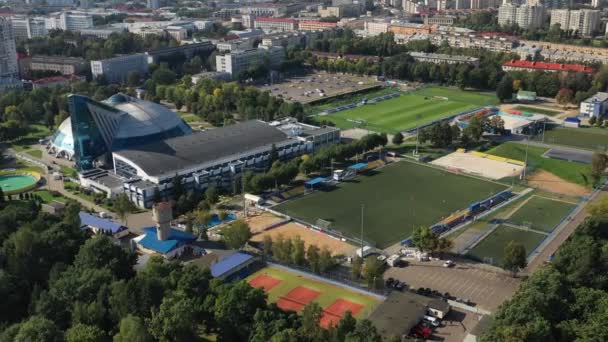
(267, 243)
(298, 251)
(356, 267)
(372, 272)
(496, 123)
(273, 155)
(174, 320)
(325, 260)
(311, 317)
(132, 329)
(312, 255)
(84, 333)
(592, 120)
(599, 162)
(237, 234)
(475, 128)
(178, 187)
(133, 78)
(123, 206)
(212, 195)
(564, 96)
(504, 89)
(38, 329)
(424, 239)
(514, 257)
(398, 138)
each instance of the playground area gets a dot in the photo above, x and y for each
(17, 181)
(395, 200)
(292, 291)
(410, 110)
(309, 236)
(481, 164)
(529, 221)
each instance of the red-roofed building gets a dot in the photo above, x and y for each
(316, 26)
(518, 65)
(276, 24)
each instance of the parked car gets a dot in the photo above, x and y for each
(449, 263)
(389, 282)
(422, 331)
(432, 320)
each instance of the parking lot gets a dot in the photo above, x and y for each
(316, 86)
(467, 280)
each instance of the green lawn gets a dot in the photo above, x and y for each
(396, 199)
(34, 153)
(592, 138)
(537, 110)
(493, 245)
(48, 197)
(410, 110)
(329, 292)
(542, 213)
(569, 171)
(347, 99)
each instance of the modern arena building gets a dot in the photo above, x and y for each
(138, 147)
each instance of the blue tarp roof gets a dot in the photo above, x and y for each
(176, 237)
(316, 181)
(358, 166)
(572, 119)
(87, 219)
(228, 264)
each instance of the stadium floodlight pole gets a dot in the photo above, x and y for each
(526, 159)
(417, 138)
(362, 207)
(544, 128)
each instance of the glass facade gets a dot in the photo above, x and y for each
(88, 141)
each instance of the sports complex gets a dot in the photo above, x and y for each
(395, 199)
(292, 291)
(410, 109)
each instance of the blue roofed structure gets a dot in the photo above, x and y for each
(177, 239)
(315, 181)
(236, 266)
(358, 166)
(101, 225)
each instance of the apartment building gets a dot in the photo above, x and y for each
(236, 62)
(474, 41)
(408, 29)
(439, 58)
(276, 24)
(62, 65)
(27, 28)
(9, 69)
(524, 16)
(265, 10)
(341, 11)
(376, 27)
(583, 21)
(69, 21)
(286, 39)
(595, 106)
(307, 25)
(439, 20)
(186, 50)
(117, 69)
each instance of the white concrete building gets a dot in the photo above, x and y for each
(524, 16)
(238, 61)
(26, 28)
(595, 106)
(116, 70)
(583, 21)
(9, 68)
(376, 27)
(438, 58)
(68, 21)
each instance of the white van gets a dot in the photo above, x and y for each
(434, 321)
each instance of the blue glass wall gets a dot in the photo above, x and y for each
(88, 142)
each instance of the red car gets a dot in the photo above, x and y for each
(422, 331)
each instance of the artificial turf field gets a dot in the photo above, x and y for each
(396, 199)
(591, 138)
(542, 213)
(411, 110)
(280, 285)
(570, 171)
(491, 248)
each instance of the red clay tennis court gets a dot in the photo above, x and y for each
(264, 281)
(334, 312)
(297, 298)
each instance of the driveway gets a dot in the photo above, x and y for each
(482, 284)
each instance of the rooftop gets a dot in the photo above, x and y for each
(549, 66)
(276, 20)
(228, 264)
(176, 238)
(398, 314)
(598, 97)
(443, 56)
(158, 158)
(89, 220)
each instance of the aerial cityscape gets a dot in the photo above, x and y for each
(335, 170)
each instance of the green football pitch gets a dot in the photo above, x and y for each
(395, 199)
(591, 138)
(542, 213)
(491, 248)
(411, 109)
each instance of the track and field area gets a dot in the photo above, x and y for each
(591, 138)
(396, 199)
(537, 110)
(293, 291)
(542, 213)
(568, 171)
(410, 110)
(491, 248)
